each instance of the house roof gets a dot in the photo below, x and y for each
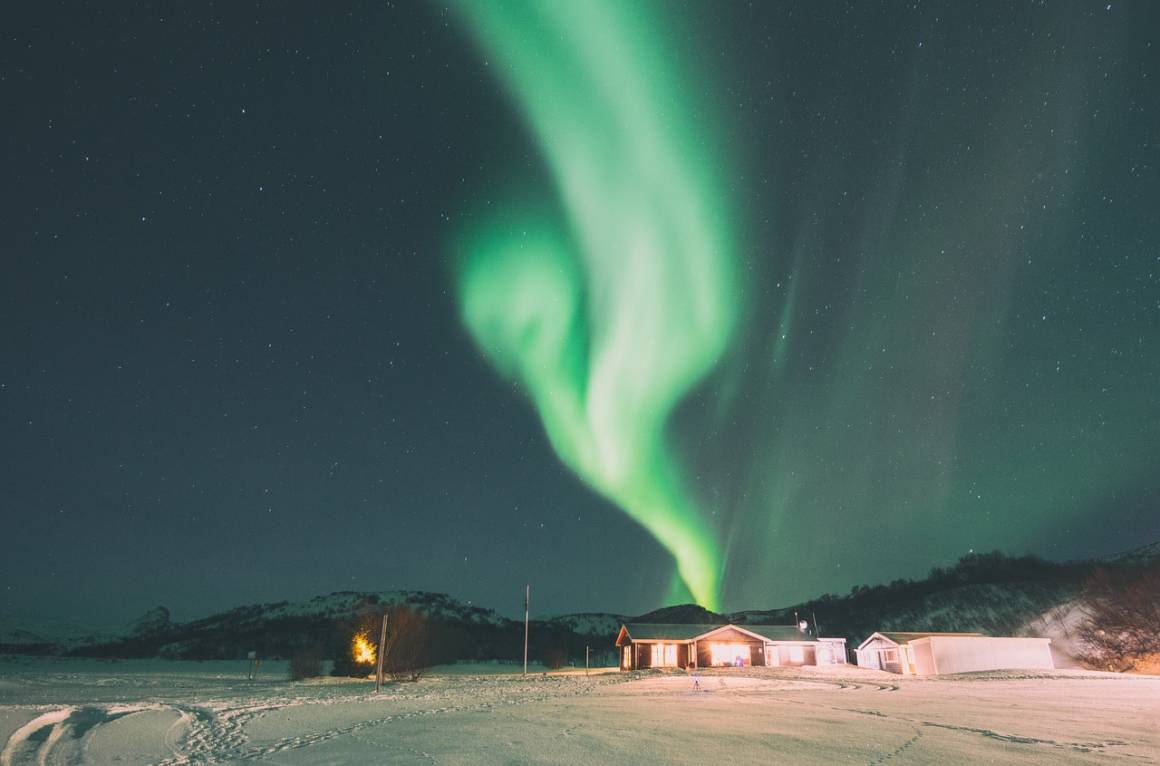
(901, 637)
(648, 631)
(659, 632)
(778, 632)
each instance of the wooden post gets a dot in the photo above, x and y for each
(585, 659)
(382, 650)
(527, 598)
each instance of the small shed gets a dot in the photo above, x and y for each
(927, 653)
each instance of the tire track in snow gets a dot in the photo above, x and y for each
(59, 736)
(1018, 739)
(25, 744)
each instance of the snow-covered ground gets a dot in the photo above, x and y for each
(58, 711)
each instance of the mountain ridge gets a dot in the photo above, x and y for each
(990, 593)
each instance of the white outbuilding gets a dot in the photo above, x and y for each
(928, 654)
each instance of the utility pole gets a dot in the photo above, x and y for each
(527, 598)
(585, 659)
(382, 650)
(817, 630)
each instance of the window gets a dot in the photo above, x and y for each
(890, 655)
(729, 654)
(664, 655)
(796, 654)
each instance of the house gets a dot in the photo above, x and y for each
(925, 654)
(648, 645)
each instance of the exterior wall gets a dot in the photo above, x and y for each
(805, 654)
(871, 656)
(705, 655)
(729, 636)
(831, 651)
(923, 658)
(966, 654)
(641, 652)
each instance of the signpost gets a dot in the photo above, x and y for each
(527, 598)
(379, 655)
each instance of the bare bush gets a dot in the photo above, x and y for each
(1123, 609)
(408, 647)
(1060, 615)
(405, 655)
(306, 663)
(554, 658)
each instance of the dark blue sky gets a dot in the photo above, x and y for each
(232, 367)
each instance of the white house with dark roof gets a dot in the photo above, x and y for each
(928, 653)
(651, 645)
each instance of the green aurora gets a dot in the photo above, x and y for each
(886, 327)
(612, 315)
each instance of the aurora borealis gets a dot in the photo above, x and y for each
(847, 404)
(610, 316)
(634, 301)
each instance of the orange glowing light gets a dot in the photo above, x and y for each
(730, 654)
(362, 649)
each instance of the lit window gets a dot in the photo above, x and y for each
(664, 655)
(729, 654)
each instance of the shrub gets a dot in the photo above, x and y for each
(1123, 610)
(305, 663)
(554, 658)
(406, 653)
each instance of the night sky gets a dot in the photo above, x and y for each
(636, 303)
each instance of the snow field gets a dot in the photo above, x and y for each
(153, 712)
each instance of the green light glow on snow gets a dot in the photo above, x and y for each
(611, 316)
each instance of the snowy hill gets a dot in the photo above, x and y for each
(683, 614)
(46, 636)
(344, 604)
(327, 623)
(1137, 556)
(990, 593)
(595, 624)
